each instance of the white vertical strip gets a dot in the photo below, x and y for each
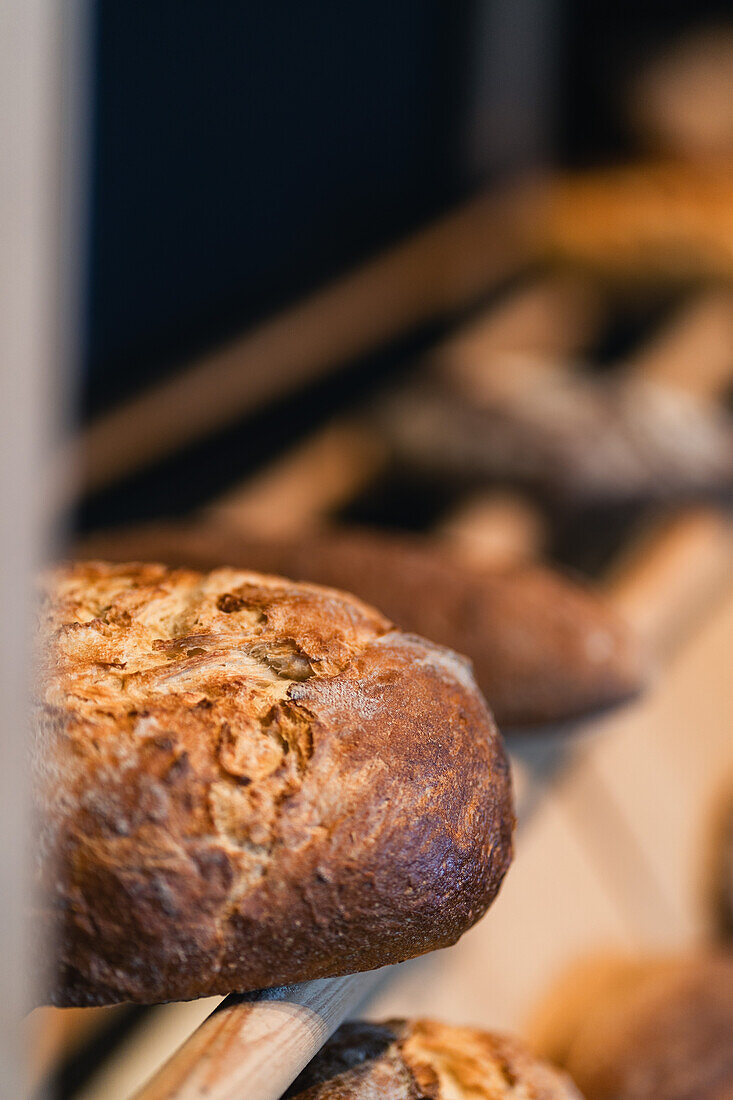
(38, 121)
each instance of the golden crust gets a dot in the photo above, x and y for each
(409, 1060)
(246, 782)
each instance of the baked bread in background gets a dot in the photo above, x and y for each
(651, 220)
(575, 438)
(425, 1060)
(543, 648)
(664, 1033)
(680, 102)
(246, 782)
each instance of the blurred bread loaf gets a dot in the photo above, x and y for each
(681, 101)
(665, 1035)
(576, 438)
(656, 220)
(543, 648)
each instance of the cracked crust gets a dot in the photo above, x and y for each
(425, 1060)
(246, 782)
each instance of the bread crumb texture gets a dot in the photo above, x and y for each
(425, 1060)
(243, 782)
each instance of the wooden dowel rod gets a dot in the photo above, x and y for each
(332, 465)
(440, 268)
(550, 319)
(493, 529)
(254, 1045)
(694, 351)
(668, 579)
(306, 483)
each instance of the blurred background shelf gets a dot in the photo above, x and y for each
(297, 218)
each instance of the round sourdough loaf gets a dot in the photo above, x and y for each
(245, 782)
(424, 1060)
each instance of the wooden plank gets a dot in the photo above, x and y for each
(306, 483)
(691, 553)
(493, 529)
(667, 770)
(54, 1034)
(551, 320)
(551, 315)
(693, 351)
(658, 776)
(141, 1053)
(41, 90)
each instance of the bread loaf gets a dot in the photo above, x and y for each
(245, 782)
(668, 220)
(667, 1035)
(543, 648)
(580, 440)
(425, 1060)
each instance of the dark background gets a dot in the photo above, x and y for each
(245, 151)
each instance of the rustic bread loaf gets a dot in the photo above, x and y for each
(680, 100)
(667, 1035)
(425, 1060)
(246, 782)
(543, 648)
(649, 220)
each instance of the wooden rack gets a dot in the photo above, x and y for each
(575, 789)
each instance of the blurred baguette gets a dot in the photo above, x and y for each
(544, 648)
(647, 221)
